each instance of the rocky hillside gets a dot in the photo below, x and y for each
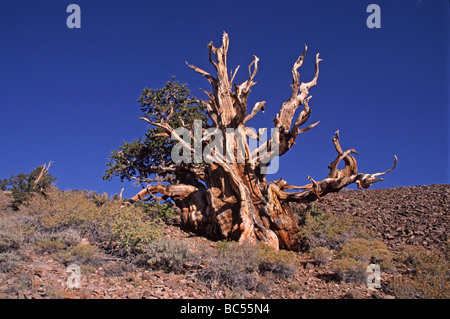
(417, 216)
(404, 215)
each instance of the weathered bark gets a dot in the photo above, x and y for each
(233, 200)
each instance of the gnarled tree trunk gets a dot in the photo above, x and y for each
(231, 199)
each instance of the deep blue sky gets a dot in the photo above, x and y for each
(69, 95)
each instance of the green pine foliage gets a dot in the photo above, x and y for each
(23, 185)
(130, 160)
(3, 184)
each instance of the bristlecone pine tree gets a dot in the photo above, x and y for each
(226, 199)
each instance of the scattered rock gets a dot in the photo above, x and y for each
(353, 294)
(407, 215)
(402, 215)
(68, 295)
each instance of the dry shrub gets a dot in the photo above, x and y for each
(321, 255)
(93, 216)
(82, 254)
(117, 268)
(10, 241)
(167, 254)
(356, 255)
(239, 266)
(233, 267)
(281, 263)
(427, 274)
(23, 283)
(58, 208)
(52, 242)
(18, 223)
(9, 260)
(349, 269)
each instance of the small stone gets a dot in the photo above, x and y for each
(309, 266)
(353, 294)
(36, 296)
(135, 295)
(148, 295)
(147, 276)
(246, 294)
(68, 295)
(11, 281)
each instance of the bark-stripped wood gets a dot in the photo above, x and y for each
(232, 200)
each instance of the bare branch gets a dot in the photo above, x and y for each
(283, 185)
(258, 106)
(306, 129)
(208, 76)
(227, 198)
(304, 87)
(390, 170)
(367, 180)
(295, 75)
(233, 75)
(178, 191)
(350, 162)
(210, 49)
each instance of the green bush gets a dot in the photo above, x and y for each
(84, 251)
(3, 184)
(129, 225)
(368, 252)
(418, 258)
(359, 249)
(98, 199)
(319, 229)
(157, 210)
(46, 244)
(22, 186)
(356, 255)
